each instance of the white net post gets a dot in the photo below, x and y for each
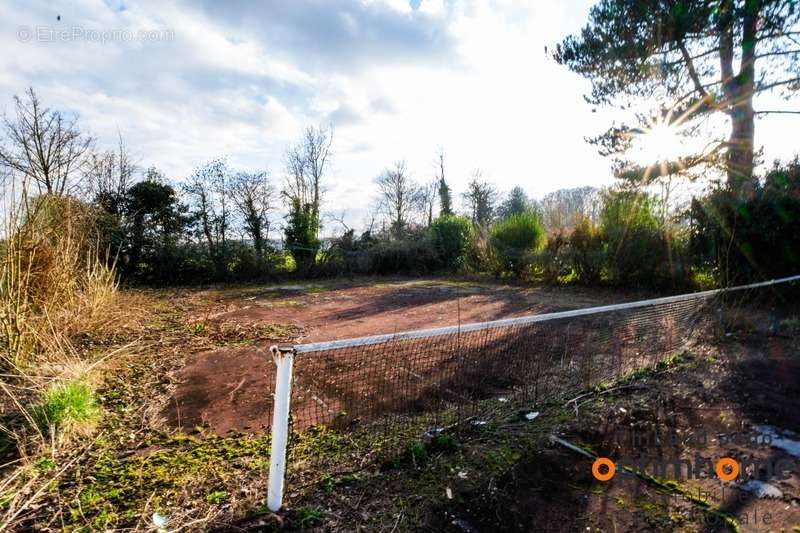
(284, 359)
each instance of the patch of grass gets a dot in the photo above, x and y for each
(654, 513)
(44, 464)
(645, 372)
(418, 452)
(403, 474)
(216, 497)
(202, 467)
(123, 485)
(66, 407)
(197, 328)
(308, 517)
(329, 482)
(281, 303)
(6, 499)
(703, 280)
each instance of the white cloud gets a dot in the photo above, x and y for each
(243, 79)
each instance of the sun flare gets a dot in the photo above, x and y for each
(658, 144)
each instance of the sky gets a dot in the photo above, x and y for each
(186, 81)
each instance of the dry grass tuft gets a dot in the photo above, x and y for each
(55, 281)
(57, 288)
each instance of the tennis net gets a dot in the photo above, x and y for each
(448, 374)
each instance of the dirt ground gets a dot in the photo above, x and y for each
(201, 361)
(746, 383)
(229, 388)
(740, 400)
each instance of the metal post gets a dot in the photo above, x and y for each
(284, 358)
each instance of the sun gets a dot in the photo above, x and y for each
(660, 143)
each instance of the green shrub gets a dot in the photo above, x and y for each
(586, 252)
(515, 239)
(452, 236)
(640, 253)
(742, 239)
(66, 407)
(551, 264)
(407, 256)
(300, 233)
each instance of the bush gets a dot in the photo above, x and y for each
(347, 255)
(749, 239)
(551, 264)
(452, 236)
(300, 233)
(515, 239)
(416, 256)
(586, 252)
(54, 279)
(640, 253)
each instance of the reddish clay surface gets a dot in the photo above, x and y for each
(359, 311)
(230, 388)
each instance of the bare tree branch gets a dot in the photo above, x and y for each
(44, 146)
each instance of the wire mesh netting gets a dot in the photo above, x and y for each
(437, 373)
(444, 376)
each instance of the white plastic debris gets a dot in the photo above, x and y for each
(761, 489)
(449, 493)
(462, 475)
(160, 521)
(479, 422)
(431, 432)
(463, 525)
(779, 438)
(532, 415)
(502, 400)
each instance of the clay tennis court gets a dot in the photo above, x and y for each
(230, 388)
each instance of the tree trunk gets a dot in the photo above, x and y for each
(137, 240)
(740, 147)
(739, 92)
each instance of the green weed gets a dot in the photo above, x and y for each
(66, 407)
(308, 517)
(216, 497)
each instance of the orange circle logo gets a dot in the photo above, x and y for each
(603, 463)
(732, 467)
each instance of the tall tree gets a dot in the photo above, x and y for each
(427, 198)
(154, 218)
(399, 197)
(306, 163)
(698, 57)
(445, 199)
(480, 199)
(208, 190)
(43, 146)
(515, 203)
(565, 208)
(108, 176)
(254, 196)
